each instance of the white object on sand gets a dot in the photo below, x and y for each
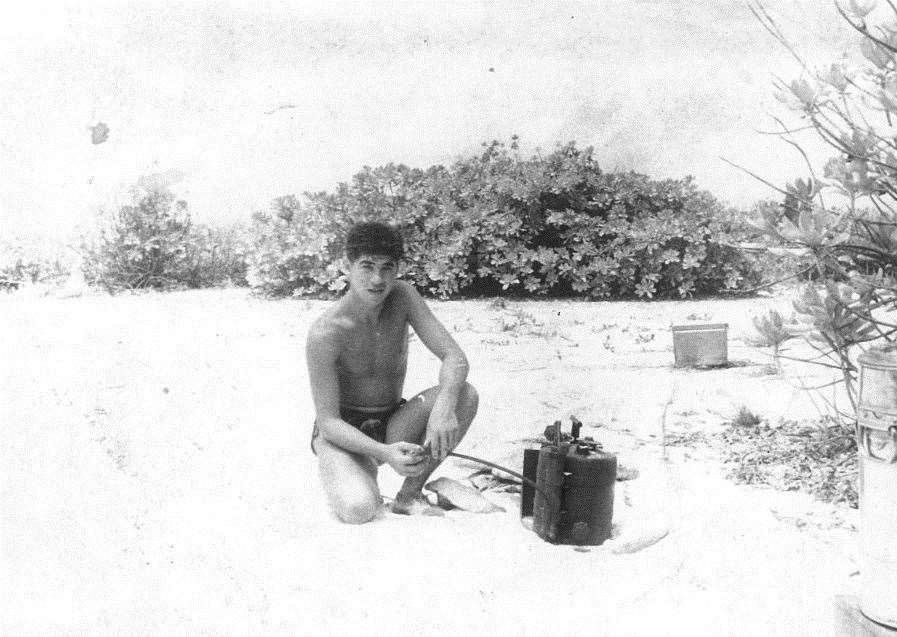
(646, 536)
(461, 496)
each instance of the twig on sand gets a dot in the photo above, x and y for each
(663, 422)
(810, 396)
(280, 108)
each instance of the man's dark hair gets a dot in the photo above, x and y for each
(375, 239)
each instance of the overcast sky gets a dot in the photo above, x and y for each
(243, 102)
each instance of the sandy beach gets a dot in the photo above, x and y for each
(156, 479)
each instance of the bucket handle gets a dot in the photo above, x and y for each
(866, 442)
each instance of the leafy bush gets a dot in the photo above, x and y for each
(27, 261)
(143, 245)
(215, 256)
(153, 243)
(497, 223)
(296, 250)
(841, 225)
(746, 418)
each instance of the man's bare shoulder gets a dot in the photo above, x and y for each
(330, 327)
(406, 294)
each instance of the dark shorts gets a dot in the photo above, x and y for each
(371, 423)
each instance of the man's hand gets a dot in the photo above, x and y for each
(406, 458)
(443, 433)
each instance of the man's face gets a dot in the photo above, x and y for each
(372, 277)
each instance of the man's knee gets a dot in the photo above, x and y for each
(358, 511)
(470, 397)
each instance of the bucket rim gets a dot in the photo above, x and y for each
(691, 327)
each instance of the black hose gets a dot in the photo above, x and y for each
(522, 477)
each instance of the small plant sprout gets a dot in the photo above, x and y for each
(518, 321)
(772, 333)
(746, 418)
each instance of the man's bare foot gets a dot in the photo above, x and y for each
(416, 504)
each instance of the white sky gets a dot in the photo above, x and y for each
(662, 87)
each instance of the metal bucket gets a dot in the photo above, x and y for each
(588, 496)
(530, 470)
(703, 345)
(877, 442)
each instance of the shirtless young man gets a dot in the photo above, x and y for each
(357, 355)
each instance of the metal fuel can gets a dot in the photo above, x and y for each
(877, 450)
(530, 471)
(575, 500)
(588, 495)
(547, 502)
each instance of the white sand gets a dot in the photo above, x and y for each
(155, 478)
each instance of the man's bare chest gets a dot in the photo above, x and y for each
(369, 351)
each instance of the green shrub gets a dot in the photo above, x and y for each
(746, 418)
(840, 223)
(215, 256)
(771, 332)
(497, 223)
(295, 249)
(143, 245)
(29, 261)
(153, 243)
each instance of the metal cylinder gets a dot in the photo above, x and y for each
(530, 470)
(588, 501)
(550, 478)
(877, 443)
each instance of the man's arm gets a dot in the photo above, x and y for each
(442, 430)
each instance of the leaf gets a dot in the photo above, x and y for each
(862, 8)
(875, 53)
(645, 289)
(99, 133)
(804, 91)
